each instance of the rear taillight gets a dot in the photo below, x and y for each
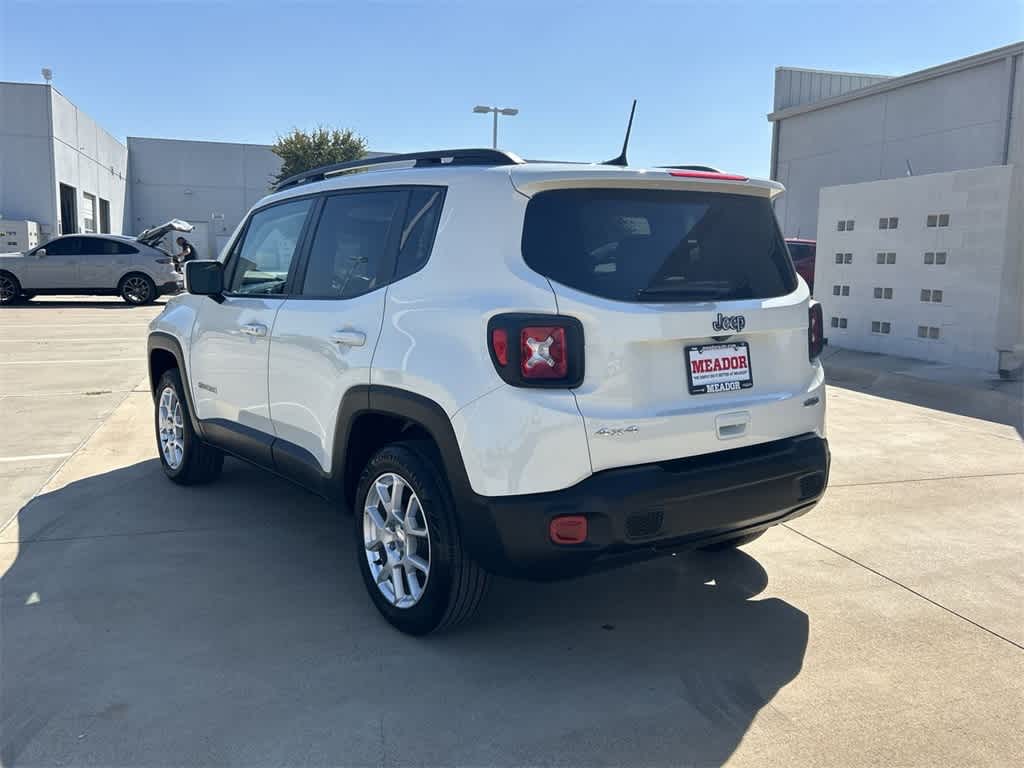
(537, 350)
(815, 330)
(713, 175)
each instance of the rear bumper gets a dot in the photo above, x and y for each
(168, 288)
(639, 512)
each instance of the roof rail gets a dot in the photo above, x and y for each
(419, 159)
(708, 168)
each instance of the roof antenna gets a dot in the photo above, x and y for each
(621, 159)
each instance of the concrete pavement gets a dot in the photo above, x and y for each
(146, 624)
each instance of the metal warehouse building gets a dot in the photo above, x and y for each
(913, 187)
(831, 128)
(60, 172)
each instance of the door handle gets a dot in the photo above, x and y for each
(349, 338)
(254, 329)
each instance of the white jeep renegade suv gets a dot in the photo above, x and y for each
(530, 369)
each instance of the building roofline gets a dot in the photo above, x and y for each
(833, 72)
(893, 83)
(198, 141)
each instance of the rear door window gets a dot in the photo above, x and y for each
(658, 245)
(353, 245)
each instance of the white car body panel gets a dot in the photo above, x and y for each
(309, 373)
(228, 367)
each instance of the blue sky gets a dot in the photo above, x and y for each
(407, 74)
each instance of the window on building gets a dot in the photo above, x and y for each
(847, 258)
(849, 225)
(883, 223)
(927, 332)
(943, 219)
(846, 290)
(876, 326)
(68, 210)
(933, 333)
(936, 297)
(886, 327)
(926, 295)
(836, 289)
(894, 222)
(842, 322)
(104, 216)
(839, 258)
(887, 293)
(940, 257)
(931, 221)
(890, 258)
(89, 213)
(835, 322)
(879, 258)
(929, 257)
(878, 293)
(841, 225)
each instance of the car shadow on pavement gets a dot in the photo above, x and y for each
(147, 624)
(36, 303)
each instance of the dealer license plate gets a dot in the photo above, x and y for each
(718, 368)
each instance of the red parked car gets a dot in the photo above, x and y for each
(802, 251)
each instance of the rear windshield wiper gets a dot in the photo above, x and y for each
(707, 289)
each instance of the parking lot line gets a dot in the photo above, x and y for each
(91, 360)
(34, 457)
(75, 325)
(61, 341)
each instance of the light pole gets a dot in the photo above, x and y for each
(497, 111)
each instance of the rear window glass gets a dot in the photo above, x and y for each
(657, 245)
(801, 251)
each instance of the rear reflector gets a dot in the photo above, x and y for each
(499, 345)
(568, 529)
(815, 330)
(714, 175)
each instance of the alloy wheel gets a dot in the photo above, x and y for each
(171, 420)
(137, 290)
(396, 540)
(8, 291)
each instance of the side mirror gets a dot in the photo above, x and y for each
(204, 278)
(40, 253)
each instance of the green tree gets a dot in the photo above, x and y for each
(301, 150)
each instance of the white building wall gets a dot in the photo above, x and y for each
(26, 164)
(90, 160)
(980, 281)
(951, 119)
(209, 184)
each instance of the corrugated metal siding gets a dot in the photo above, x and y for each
(796, 87)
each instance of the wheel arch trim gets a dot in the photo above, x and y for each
(165, 342)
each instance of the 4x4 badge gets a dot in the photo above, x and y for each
(729, 322)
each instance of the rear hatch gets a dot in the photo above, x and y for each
(153, 235)
(694, 322)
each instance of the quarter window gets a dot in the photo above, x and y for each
(262, 260)
(352, 247)
(417, 240)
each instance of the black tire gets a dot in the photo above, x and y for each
(10, 289)
(199, 462)
(456, 584)
(137, 289)
(739, 541)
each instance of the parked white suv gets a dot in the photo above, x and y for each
(134, 268)
(504, 367)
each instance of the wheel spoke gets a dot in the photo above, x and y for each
(418, 563)
(412, 513)
(378, 520)
(398, 582)
(395, 501)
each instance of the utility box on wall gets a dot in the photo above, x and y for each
(19, 235)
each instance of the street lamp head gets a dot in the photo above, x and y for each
(481, 110)
(509, 111)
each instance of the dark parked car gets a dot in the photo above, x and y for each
(802, 251)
